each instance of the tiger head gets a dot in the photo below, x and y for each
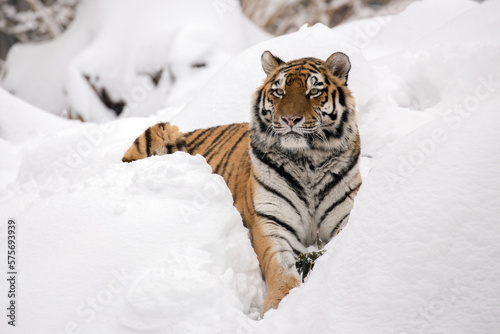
(305, 104)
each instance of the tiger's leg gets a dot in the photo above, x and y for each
(277, 258)
(277, 248)
(159, 139)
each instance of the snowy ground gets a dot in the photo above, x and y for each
(156, 246)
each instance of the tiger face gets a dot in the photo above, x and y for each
(304, 104)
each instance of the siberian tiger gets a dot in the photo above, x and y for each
(293, 171)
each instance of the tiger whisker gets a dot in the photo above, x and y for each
(321, 136)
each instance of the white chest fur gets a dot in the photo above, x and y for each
(300, 195)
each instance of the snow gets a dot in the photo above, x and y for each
(156, 245)
(102, 240)
(120, 45)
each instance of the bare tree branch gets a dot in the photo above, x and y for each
(46, 19)
(46, 16)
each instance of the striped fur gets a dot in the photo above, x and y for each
(293, 171)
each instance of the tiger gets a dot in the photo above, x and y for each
(293, 170)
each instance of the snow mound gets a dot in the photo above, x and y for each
(15, 110)
(145, 243)
(21, 124)
(129, 58)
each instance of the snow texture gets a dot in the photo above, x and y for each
(148, 55)
(156, 246)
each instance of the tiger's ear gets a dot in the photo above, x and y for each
(270, 62)
(340, 65)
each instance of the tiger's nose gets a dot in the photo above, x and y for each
(292, 120)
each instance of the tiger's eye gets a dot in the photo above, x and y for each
(314, 91)
(280, 92)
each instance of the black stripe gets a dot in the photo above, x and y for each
(290, 180)
(324, 176)
(339, 223)
(190, 133)
(333, 114)
(137, 145)
(244, 222)
(258, 100)
(315, 68)
(228, 154)
(276, 221)
(223, 137)
(263, 127)
(324, 100)
(275, 192)
(302, 66)
(238, 170)
(336, 178)
(293, 65)
(199, 135)
(248, 201)
(339, 130)
(341, 96)
(148, 141)
(180, 144)
(337, 203)
(276, 236)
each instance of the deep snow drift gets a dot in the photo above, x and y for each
(156, 246)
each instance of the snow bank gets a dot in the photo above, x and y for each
(146, 55)
(21, 125)
(105, 246)
(15, 111)
(156, 246)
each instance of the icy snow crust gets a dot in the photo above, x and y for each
(156, 246)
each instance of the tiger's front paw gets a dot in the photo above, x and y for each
(269, 304)
(277, 293)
